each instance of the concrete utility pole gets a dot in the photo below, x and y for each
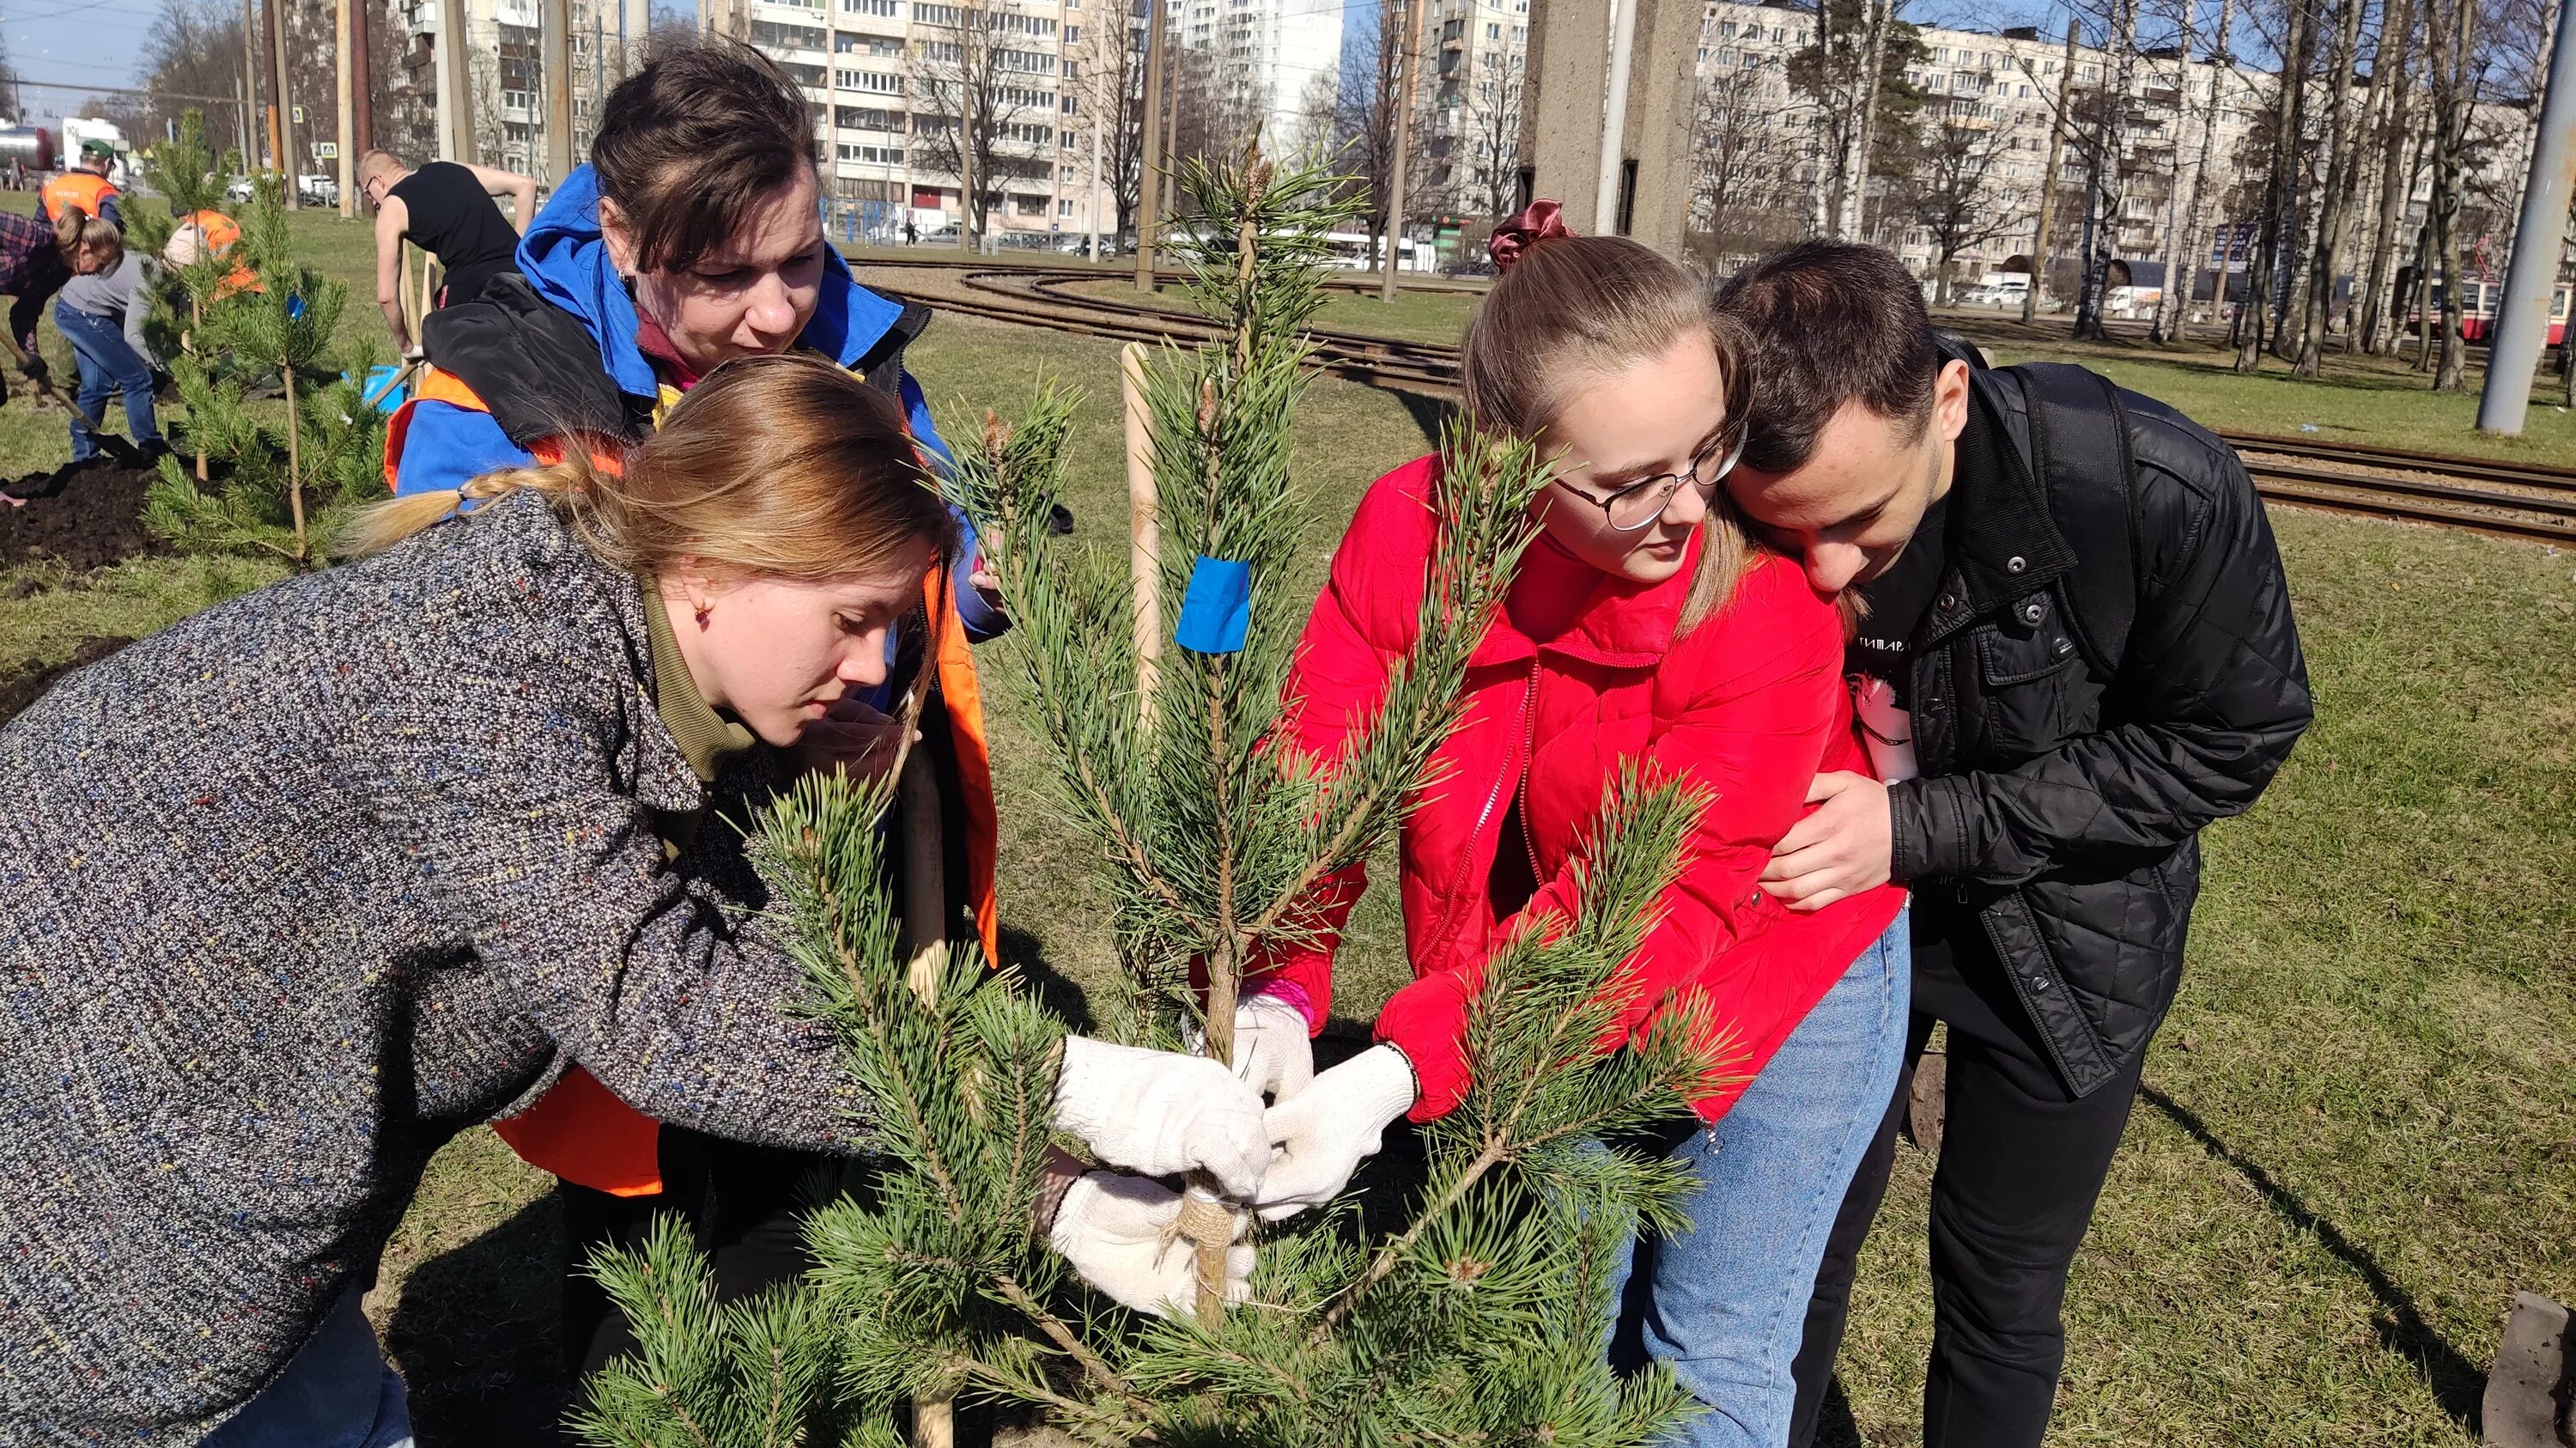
(276, 112)
(455, 77)
(557, 17)
(1398, 122)
(362, 81)
(2539, 239)
(1147, 207)
(250, 82)
(283, 117)
(241, 114)
(2048, 185)
(348, 137)
(1614, 117)
(1099, 147)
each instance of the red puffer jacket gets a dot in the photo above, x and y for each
(1751, 704)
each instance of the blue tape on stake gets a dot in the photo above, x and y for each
(1217, 611)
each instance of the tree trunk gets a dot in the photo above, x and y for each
(2289, 296)
(2344, 136)
(2183, 251)
(2396, 178)
(2456, 38)
(2276, 186)
(2222, 68)
(1878, 17)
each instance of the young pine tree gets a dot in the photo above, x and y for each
(1479, 1315)
(278, 476)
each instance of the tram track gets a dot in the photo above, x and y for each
(2531, 502)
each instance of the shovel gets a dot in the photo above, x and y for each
(116, 448)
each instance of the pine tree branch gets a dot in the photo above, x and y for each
(1088, 1415)
(1074, 1347)
(1497, 1150)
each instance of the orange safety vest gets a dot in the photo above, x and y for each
(580, 1130)
(219, 233)
(85, 189)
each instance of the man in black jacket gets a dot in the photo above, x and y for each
(2075, 651)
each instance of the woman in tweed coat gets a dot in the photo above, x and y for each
(307, 884)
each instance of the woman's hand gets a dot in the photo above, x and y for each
(855, 738)
(1274, 1052)
(1118, 1231)
(1332, 1125)
(1162, 1113)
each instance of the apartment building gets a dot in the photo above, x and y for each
(1473, 71)
(504, 49)
(1268, 57)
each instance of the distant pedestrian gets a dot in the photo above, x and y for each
(911, 233)
(2076, 652)
(101, 314)
(85, 186)
(446, 209)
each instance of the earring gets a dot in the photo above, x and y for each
(702, 616)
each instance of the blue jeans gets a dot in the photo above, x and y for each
(1725, 1304)
(336, 1392)
(107, 365)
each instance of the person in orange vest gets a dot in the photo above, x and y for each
(85, 186)
(210, 233)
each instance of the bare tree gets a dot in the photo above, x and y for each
(978, 110)
(1490, 123)
(2343, 142)
(1742, 163)
(1108, 82)
(1855, 74)
(2281, 185)
(1960, 194)
(2454, 92)
(1370, 120)
(2193, 188)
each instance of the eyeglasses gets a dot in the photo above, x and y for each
(1640, 503)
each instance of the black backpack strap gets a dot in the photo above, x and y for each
(535, 366)
(882, 365)
(2079, 452)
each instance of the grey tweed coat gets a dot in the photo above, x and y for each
(295, 891)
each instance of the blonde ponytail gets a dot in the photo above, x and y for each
(380, 526)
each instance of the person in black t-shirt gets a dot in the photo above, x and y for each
(448, 210)
(2075, 652)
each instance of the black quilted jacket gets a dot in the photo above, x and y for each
(2061, 800)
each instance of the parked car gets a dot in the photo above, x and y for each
(239, 190)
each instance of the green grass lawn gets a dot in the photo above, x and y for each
(2354, 1142)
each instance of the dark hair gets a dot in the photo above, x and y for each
(1830, 322)
(691, 143)
(1570, 309)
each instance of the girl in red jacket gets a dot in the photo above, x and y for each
(1644, 625)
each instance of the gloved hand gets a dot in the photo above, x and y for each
(1162, 1113)
(415, 353)
(853, 737)
(1274, 1053)
(35, 368)
(1116, 1230)
(1338, 1119)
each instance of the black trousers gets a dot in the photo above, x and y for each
(744, 1205)
(2022, 1164)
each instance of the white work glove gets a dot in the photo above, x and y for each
(1162, 1113)
(1117, 1231)
(1274, 1053)
(1333, 1123)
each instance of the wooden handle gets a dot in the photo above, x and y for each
(1144, 551)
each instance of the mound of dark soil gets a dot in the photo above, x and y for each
(20, 690)
(86, 515)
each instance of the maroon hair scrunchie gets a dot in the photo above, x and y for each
(1539, 221)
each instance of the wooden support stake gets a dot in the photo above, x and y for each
(925, 931)
(1144, 544)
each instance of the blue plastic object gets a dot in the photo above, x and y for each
(295, 309)
(381, 391)
(1217, 611)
